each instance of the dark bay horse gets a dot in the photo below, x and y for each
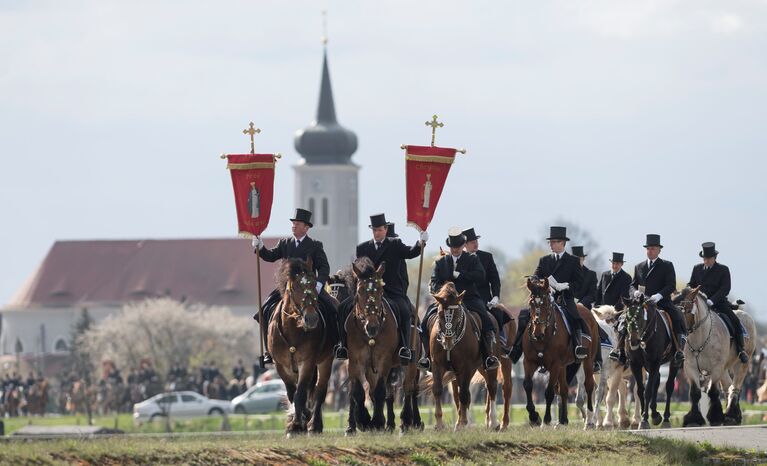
(547, 343)
(648, 346)
(302, 351)
(373, 342)
(454, 340)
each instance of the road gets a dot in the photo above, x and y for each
(745, 437)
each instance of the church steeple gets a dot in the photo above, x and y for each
(325, 141)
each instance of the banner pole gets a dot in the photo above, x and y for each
(414, 332)
(261, 322)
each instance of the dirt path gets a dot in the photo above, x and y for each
(748, 437)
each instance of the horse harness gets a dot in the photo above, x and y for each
(307, 294)
(698, 351)
(372, 303)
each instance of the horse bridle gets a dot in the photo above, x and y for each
(538, 302)
(372, 303)
(308, 297)
(448, 330)
(687, 308)
(631, 321)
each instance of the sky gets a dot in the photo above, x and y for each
(623, 117)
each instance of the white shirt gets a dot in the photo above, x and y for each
(650, 263)
(298, 240)
(455, 260)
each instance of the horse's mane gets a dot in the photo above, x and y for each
(365, 268)
(289, 269)
(684, 293)
(448, 290)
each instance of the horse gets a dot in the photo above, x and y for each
(712, 358)
(545, 344)
(454, 338)
(373, 340)
(37, 398)
(302, 351)
(13, 401)
(340, 286)
(648, 347)
(613, 380)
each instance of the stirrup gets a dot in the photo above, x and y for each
(341, 353)
(268, 358)
(424, 363)
(405, 354)
(743, 357)
(580, 352)
(491, 362)
(679, 357)
(597, 367)
(614, 355)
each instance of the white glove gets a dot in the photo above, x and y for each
(256, 242)
(656, 297)
(553, 282)
(424, 236)
(456, 273)
(319, 287)
(493, 302)
(564, 286)
(637, 293)
(710, 303)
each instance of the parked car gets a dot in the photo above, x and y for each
(179, 405)
(263, 397)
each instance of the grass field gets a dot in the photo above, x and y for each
(520, 445)
(753, 414)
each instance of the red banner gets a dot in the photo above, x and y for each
(253, 182)
(426, 170)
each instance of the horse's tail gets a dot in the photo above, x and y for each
(427, 382)
(478, 378)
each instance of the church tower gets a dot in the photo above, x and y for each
(326, 178)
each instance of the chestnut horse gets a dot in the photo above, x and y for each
(648, 346)
(547, 343)
(454, 342)
(373, 342)
(302, 351)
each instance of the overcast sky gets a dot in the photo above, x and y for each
(624, 117)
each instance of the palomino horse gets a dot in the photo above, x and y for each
(614, 378)
(454, 341)
(648, 347)
(302, 351)
(547, 343)
(373, 342)
(711, 358)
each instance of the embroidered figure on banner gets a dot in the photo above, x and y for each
(254, 201)
(427, 191)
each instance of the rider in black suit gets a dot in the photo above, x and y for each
(614, 284)
(564, 274)
(300, 246)
(714, 281)
(658, 280)
(466, 273)
(587, 293)
(392, 252)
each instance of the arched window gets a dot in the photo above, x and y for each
(60, 346)
(325, 211)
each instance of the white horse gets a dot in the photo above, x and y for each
(613, 380)
(711, 358)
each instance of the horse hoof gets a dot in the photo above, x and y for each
(665, 425)
(589, 426)
(628, 425)
(731, 421)
(644, 425)
(350, 433)
(656, 419)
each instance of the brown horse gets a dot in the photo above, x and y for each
(302, 351)
(454, 342)
(13, 400)
(547, 343)
(37, 398)
(373, 341)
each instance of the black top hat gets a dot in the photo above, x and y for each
(709, 250)
(390, 232)
(653, 240)
(578, 251)
(377, 220)
(617, 257)
(470, 235)
(558, 233)
(455, 238)
(303, 215)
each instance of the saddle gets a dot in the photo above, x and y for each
(731, 325)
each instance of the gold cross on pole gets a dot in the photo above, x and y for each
(434, 125)
(252, 131)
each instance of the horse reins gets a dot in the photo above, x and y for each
(361, 317)
(697, 351)
(300, 312)
(449, 331)
(540, 302)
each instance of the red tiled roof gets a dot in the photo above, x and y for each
(211, 271)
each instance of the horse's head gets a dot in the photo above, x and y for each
(685, 301)
(540, 306)
(369, 306)
(636, 310)
(300, 291)
(607, 313)
(449, 301)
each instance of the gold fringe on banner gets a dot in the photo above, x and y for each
(249, 166)
(430, 158)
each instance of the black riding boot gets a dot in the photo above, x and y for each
(618, 353)
(579, 349)
(405, 353)
(516, 348)
(681, 339)
(486, 348)
(340, 349)
(425, 363)
(267, 356)
(739, 343)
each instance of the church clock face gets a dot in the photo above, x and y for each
(317, 184)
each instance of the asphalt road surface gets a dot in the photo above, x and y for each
(745, 437)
